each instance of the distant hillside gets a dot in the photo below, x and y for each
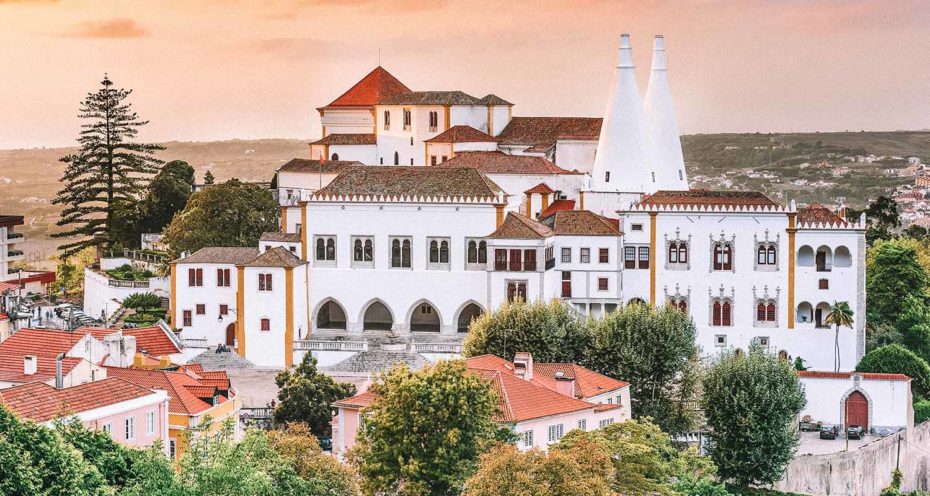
(771, 163)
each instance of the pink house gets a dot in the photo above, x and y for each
(133, 415)
(540, 402)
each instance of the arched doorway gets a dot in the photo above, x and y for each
(820, 315)
(231, 334)
(857, 410)
(331, 316)
(377, 318)
(425, 318)
(467, 315)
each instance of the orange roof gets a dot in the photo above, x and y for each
(40, 402)
(541, 188)
(462, 134)
(557, 206)
(182, 389)
(347, 139)
(870, 376)
(588, 383)
(501, 163)
(45, 345)
(541, 133)
(151, 340)
(708, 197)
(361, 400)
(816, 213)
(217, 378)
(378, 85)
(580, 223)
(519, 226)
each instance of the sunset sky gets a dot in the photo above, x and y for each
(211, 70)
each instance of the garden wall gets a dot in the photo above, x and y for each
(866, 471)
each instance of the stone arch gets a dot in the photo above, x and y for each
(329, 314)
(805, 312)
(823, 258)
(805, 256)
(467, 312)
(636, 301)
(376, 315)
(842, 257)
(845, 397)
(820, 314)
(424, 316)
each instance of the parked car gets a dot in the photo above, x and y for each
(829, 431)
(808, 425)
(855, 432)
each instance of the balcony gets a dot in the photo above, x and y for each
(14, 236)
(14, 254)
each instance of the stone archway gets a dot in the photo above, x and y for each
(377, 317)
(231, 334)
(424, 317)
(468, 313)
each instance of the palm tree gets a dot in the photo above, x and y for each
(842, 316)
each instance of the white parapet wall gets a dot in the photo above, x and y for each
(102, 295)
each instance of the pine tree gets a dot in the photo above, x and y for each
(208, 178)
(103, 180)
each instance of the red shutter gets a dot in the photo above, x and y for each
(760, 312)
(511, 291)
(770, 312)
(716, 320)
(515, 264)
(200, 277)
(529, 260)
(191, 277)
(500, 259)
(725, 320)
(521, 290)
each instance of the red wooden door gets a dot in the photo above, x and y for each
(231, 334)
(857, 410)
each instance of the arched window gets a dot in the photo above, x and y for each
(330, 249)
(717, 314)
(405, 253)
(472, 252)
(320, 249)
(725, 318)
(723, 256)
(682, 253)
(335, 156)
(266, 325)
(444, 252)
(761, 258)
(673, 253)
(483, 252)
(369, 255)
(434, 251)
(358, 253)
(760, 312)
(772, 255)
(770, 312)
(396, 158)
(395, 253)
(683, 306)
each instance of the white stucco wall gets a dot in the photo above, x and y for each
(889, 400)
(575, 154)
(207, 326)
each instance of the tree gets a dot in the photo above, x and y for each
(585, 469)
(840, 316)
(913, 326)
(896, 359)
(661, 375)
(297, 445)
(882, 216)
(424, 432)
(751, 402)
(104, 177)
(208, 178)
(891, 278)
(644, 459)
(306, 396)
(552, 332)
(167, 194)
(229, 214)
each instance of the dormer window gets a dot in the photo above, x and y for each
(30, 364)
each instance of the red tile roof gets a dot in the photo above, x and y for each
(40, 402)
(518, 226)
(278, 256)
(541, 133)
(411, 181)
(501, 163)
(541, 188)
(462, 134)
(870, 376)
(453, 97)
(45, 345)
(347, 139)
(181, 399)
(217, 378)
(588, 383)
(361, 400)
(816, 213)
(151, 340)
(8, 286)
(557, 206)
(708, 197)
(317, 166)
(378, 85)
(580, 223)
(11, 220)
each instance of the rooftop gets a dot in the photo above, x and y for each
(869, 376)
(430, 98)
(280, 237)
(588, 383)
(41, 402)
(557, 206)
(580, 223)
(153, 340)
(411, 182)
(11, 220)
(541, 188)
(347, 139)
(220, 255)
(462, 134)
(697, 197)
(45, 345)
(518, 226)
(278, 256)
(816, 213)
(541, 133)
(502, 163)
(182, 399)
(317, 166)
(378, 85)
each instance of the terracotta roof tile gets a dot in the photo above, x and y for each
(219, 255)
(462, 134)
(180, 399)
(152, 340)
(430, 98)
(45, 345)
(378, 85)
(541, 188)
(361, 400)
(541, 133)
(708, 197)
(317, 166)
(502, 163)
(278, 256)
(347, 139)
(404, 181)
(491, 99)
(280, 237)
(588, 383)
(870, 376)
(518, 226)
(579, 223)
(557, 206)
(41, 402)
(816, 213)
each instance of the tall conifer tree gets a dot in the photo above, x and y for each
(106, 177)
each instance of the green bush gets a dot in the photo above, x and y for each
(142, 301)
(896, 359)
(921, 411)
(700, 487)
(142, 318)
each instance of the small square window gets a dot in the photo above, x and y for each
(636, 227)
(603, 255)
(602, 284)
(201, 309)
(720, 340)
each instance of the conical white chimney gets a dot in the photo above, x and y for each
(664, 138)
(622, 161)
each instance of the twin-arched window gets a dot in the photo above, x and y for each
(722, 312)
(400, 253)
(767, 254)
(477, 252)
(326, 249)
(723, 256)
(680, 304)
(439, 251)
(765, 312)
(678, 252)
(362, 250)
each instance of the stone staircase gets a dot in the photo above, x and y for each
(211, 360)
(379, 360)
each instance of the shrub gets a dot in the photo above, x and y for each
(896, 359)
(921, 411)
(140, 301)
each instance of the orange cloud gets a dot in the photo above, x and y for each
(110, 28)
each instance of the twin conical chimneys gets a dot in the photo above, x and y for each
(639, 149)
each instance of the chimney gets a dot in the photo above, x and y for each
(30, 364)
(59, 380)
(564, 385)
(662, 125)
(622, 162)
(523, 365)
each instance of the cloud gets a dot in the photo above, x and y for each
(35, 2)
(109, 28)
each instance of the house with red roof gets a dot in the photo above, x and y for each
(133, 415)
(540, 402)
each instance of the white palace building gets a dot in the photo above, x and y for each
(419, 210)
